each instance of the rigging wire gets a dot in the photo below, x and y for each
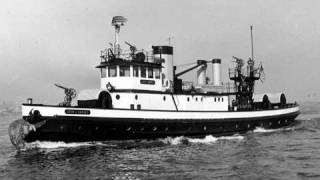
(186, 64)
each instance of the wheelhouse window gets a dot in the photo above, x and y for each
(103, 72)
(124, 71)
(112, 71)
(150, 73)
(157, 73)
(135, 71)
(143, 72)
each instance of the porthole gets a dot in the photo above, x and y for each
(218, 99)
(117, 96)
(236, 126)
(196, 99)
(222, 99)
(155, 128)
(215, 99)
(164, 98)
(136, 97)
(188, 99)
(248, 125)
(205, 128)
(201, 98)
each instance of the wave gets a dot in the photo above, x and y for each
(263, 130)
(209, 139)
(55, 145)
(308, 117)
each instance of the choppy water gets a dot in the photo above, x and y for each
(288, 153)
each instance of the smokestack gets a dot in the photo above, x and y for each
(201, 75)
(164, 54)
(216, 63)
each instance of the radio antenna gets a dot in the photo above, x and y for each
(251, 43)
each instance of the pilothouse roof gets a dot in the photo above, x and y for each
(123, 62)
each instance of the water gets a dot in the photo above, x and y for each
(287, 153)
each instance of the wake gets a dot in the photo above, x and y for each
(209, 139)
(262, 130)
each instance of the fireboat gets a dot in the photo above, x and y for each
(142, 96)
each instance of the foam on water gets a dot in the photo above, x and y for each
(173, 141)
(55, 145)
(262, 130)
(206, 140)
(169, 140)
(308, 117)
(209, 139)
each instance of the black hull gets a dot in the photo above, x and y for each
(78, 129)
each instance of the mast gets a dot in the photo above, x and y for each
(245, 81)
(251, 43)
(117, 22)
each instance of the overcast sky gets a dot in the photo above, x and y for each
(43, 42)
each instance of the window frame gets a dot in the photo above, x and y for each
(150, 75)
(133, 70)
(123, 70)
(143, 72)
(103, 72)
(112, 68)
(157, 73)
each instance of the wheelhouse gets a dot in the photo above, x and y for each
(124, 74)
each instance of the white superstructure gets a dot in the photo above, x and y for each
(145, 80)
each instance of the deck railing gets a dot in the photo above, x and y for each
(107, 55)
